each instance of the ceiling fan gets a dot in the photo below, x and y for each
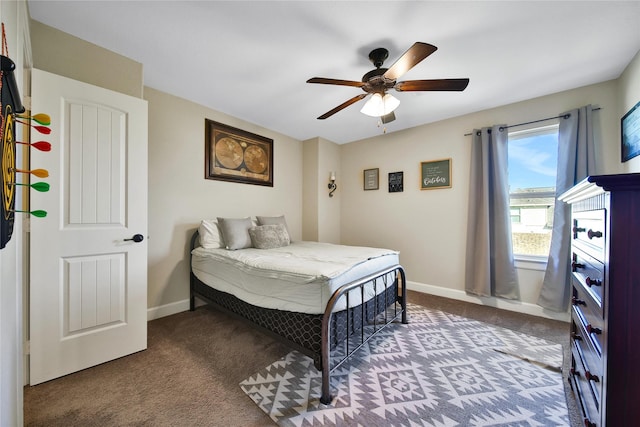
(378, 81)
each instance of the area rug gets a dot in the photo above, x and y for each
(439, 370)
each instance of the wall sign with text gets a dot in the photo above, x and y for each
(395, 182)
(435, 174)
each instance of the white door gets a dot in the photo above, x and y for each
(88, 283)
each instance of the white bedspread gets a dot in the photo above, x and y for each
(299, 277)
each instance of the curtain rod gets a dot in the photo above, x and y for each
(562, 116)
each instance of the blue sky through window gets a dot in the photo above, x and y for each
(533, 161)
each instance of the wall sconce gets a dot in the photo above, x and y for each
(332, 183)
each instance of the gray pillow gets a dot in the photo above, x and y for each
(270, 220)
(235, 232)
(269, 236)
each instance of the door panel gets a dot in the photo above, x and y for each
(88, 292)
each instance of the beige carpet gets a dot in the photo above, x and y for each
(189, 374)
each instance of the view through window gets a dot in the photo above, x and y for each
(533, 162)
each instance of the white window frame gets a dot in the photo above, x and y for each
(533, 262)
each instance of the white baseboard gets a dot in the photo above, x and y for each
(518, 306)
(504, 304)
(167, 309)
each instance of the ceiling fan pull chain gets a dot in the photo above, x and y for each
(384, 128)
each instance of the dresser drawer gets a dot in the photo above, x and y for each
(588, 273)
(589, 351)
(589, 319)
(588, 232)
(588, 362)
(588, 404)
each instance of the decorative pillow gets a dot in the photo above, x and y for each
(271, 220)
(235, 232)
(269, 236)
(210, 237)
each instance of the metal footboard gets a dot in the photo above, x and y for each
(381, 315)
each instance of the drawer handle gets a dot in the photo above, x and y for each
(592, 282)
(576, 301)
(593, 330)
(575, 266)
(588, 423)
(575, 336)
(592, 377)
(591, 234)
(574, 372)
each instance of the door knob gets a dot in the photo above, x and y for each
(136, 238)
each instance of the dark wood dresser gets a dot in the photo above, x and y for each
(605, 305)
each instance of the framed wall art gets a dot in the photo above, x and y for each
(236, 155)
(435, 174)
(396, 182)
(630, 133)
(371, 179)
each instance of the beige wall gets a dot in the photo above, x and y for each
(179, 196)
(329, 207)
(429, 226)
(321, 213)
(63, 54)
(311, 189)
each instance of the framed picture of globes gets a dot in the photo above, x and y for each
(236, 155)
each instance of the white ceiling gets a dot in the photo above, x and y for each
(251, 59)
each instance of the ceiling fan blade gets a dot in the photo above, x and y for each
(342, 106)
(409, 59)
(432, 85)
(325, 81)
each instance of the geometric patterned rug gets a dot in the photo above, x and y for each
(439, 370)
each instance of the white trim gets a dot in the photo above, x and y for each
(167, 309)
(517, 306)
(530, 262)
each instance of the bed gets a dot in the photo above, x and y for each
(324, 300)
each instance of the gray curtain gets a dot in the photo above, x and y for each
(576, 161)
(490, 267)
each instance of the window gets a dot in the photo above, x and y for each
(533, 162)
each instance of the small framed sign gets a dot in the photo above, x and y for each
(630, 130)
(395, 182)
(371, 179)
(435, 174)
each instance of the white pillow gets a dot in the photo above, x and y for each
(210, 237)
(235, 232)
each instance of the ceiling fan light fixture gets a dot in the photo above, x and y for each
(378, 106)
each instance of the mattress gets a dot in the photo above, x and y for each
(300, 277)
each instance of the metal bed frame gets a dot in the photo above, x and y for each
(316, 335)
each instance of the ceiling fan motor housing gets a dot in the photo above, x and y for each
(378, 56)
(374, 80)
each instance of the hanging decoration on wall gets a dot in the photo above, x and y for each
(10, 106)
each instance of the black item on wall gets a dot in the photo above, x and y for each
(10, 104)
